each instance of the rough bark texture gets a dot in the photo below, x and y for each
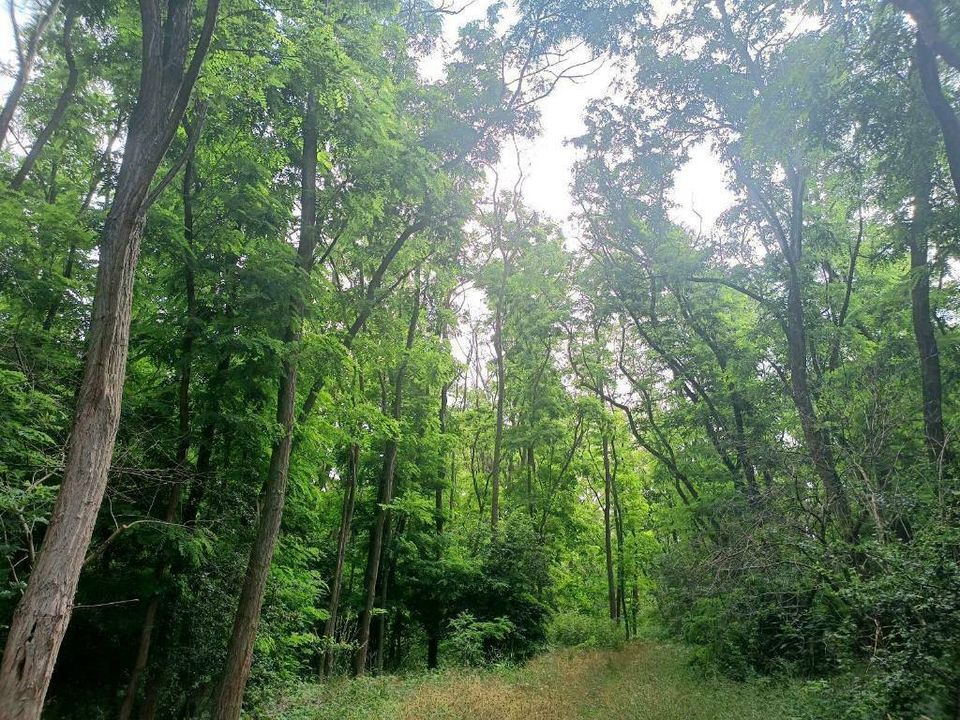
(273, 495)
(40, 620)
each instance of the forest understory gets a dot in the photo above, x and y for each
(366, 358)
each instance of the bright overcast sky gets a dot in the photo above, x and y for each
(547, 162)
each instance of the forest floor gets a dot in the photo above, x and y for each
(646, 680)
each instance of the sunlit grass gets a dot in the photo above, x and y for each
(643, 681)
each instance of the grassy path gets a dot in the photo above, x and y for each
(644, 681)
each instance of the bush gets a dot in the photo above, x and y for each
(473, 642)
(571, 629)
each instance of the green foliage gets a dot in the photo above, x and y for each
(571, 629)
(472, 642)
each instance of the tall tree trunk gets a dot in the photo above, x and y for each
(618, 525)
(607, 527)
(923, 330)
(498, 431)
(386, 562)
(815, 437)
(40, 620)
(26, 57)
(63, 102)
(183, 442)
(384, 497)
(236, 670)
(343, 540)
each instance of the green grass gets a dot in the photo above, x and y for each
(646, 680)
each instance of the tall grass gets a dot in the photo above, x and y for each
(641, 681)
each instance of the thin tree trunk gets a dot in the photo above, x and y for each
(26, 57)
(386, 562)
(816, 438)
(618, 525)
(607, 529)
(183, 443)
(343, 540)
(384, 497)
(63, 102)
(923, 330)
(43, 613)
(273, 495)
(498, 432)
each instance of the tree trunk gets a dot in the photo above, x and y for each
(607, 529)
(183, 443)
(384, 497)
(618, 525)
(498, 433)
(343, 540)
(942, 111)
(60, 110)
(40, 620)
(386, 562)
(923, 330)
(815, 437)
(229, 697)
(26, 57)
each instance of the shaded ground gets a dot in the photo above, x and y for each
(644, 681)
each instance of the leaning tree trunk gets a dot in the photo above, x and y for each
(26, 57)
(63, 103)
(247, 619)
(384, 497)
(41, 617)
(941, 108)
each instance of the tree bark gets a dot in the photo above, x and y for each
(273, 495)
(384, 497)
(40, 620)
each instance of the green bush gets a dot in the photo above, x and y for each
(571, 629)
(473, 642)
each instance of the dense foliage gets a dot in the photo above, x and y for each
(377, 413)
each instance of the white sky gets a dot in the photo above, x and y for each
(700, 191)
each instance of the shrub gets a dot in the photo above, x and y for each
(473, 642)
(571, 629)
